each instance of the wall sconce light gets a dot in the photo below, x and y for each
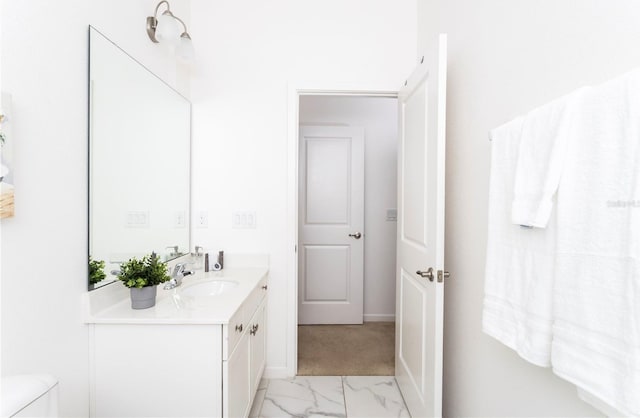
(166, 29)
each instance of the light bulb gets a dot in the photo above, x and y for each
(168, 29)
(185, 48)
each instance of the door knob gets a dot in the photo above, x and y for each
(442, 275)
(426, 274)
(357, 235)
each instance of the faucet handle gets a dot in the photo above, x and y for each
(180, 269)
(175, 249)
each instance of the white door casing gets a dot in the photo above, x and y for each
(331, 215)
(420, 260)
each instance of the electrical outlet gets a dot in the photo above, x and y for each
(202, 219)
(179, 219)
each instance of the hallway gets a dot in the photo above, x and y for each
(346, 350)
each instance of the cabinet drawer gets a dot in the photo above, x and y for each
(255, 298)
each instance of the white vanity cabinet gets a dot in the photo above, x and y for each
(179, 360)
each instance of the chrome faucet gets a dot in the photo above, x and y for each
(177, 275)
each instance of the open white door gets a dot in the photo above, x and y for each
(420, 263)
(331, 222)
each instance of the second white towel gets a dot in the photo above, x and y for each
(596, 333)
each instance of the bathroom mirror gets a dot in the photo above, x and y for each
(139, 161)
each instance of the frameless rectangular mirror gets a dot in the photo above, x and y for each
(139, 161)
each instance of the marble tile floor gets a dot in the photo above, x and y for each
(329, 396)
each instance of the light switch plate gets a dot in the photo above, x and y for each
(137, 219)
(242, 219)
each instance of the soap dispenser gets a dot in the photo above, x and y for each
(197, 258)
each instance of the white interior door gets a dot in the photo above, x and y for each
(420, 262)
(331, 221)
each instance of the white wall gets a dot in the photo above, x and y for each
(379, 118)
(44, 247)
(505, 58)
(252, 52)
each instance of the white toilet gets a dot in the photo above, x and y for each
(29, 395)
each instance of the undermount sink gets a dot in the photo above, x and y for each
(209, 288)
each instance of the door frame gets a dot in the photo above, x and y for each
(295, 90)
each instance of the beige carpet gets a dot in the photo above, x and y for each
(346, 350)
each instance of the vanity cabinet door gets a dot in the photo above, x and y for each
(258, 347)
(247, 354)
(236, 388)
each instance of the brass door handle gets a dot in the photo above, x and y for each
(357, 235)
(426, 274)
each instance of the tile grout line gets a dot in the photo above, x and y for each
(344, 396)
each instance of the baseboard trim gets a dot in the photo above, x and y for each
(276, 373)
(379, 318)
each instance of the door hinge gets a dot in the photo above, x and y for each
(442, 275)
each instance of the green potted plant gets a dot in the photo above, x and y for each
(142, 277)
(96, 271)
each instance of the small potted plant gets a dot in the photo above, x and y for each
(142, 278)
(96, 271)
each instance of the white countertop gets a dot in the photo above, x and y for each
(172, 307)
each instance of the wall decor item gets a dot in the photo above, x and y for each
(6, 169)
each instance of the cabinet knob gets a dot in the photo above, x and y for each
(254, 329)
(239, 328)
(264, 287)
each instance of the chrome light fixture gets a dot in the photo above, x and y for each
(166, 29)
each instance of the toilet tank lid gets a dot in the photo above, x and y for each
(19, 391)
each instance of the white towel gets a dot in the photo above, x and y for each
(596, 331)
(543, 149)
(519, 267)
(603, 407)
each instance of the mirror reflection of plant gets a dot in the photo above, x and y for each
(149, 271)
(96, 271)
